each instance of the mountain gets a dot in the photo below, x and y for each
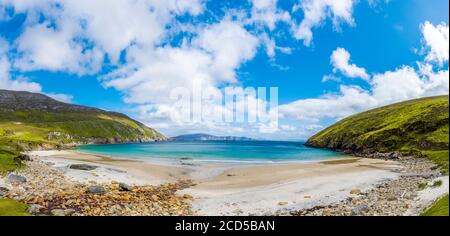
(36, 121)
(418, 127)
(208, 137)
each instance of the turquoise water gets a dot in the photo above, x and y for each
(213, 151)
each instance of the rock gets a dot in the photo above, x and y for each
(355, 191)
(22, 157)
(360, 209)
(125, 187)
(58, 212)
(34, 209)
(391, 199)
(96, 189)
(16, 179)
(307, 196)
(68, 212)
(327, 212)
(82, 167)
(3, 191)
(282, 203)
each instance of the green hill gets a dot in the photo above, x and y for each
(35, 121)
(418, 127)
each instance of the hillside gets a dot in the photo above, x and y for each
(35, 121)
(418, 127)
(208, 137)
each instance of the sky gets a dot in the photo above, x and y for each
(328, 58)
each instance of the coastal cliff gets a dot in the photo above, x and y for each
(417, 127)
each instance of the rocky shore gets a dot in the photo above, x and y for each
(335, 188)
(49, 192)
(392, 198)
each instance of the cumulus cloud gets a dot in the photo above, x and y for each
(340, 59)
(6, 81)
(317, 11)
(436, 42)
(45, 48)
(266, 12)
(391, 86)
(82, 32)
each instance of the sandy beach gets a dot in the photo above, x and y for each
(247, 190)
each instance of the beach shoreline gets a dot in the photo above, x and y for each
(278, 189)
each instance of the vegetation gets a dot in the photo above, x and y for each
(30, 121)
(10, 207)
(416, 127)
(439, 208)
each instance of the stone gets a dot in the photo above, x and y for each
(69, 211)
(391, 199)
(125, 187)
(58, 212)
(355, 191)
(22, 157)
(34, 209)
(16, 179)
(327, 212)
(96, 189)
(82, 167)
(3, 191)
(360, 209)
(282, 203)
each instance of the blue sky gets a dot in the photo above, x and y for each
(329, 59)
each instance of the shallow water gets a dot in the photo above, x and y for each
(214, 151)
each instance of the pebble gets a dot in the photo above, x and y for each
(82, 167)
(96, 189)
(16, 179)
(125, 187)
(391, 198)
(58, 194)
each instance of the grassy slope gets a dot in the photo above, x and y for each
(413, 127)
(25, 127)
(30, 121)
(439, 208)
(12, 208)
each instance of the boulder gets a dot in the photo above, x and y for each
(355, 191)
(22, 158)
(125, 187)
(58, 212)
(34, 209)
(360, 209)
(16, 179)
(3, 191)
(96, 189)
(82, 167)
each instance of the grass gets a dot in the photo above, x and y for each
(416, 127)
(10, 207)
(7, 162)
(28, 130)
(438, 208)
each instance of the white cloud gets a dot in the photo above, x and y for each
(230, 45)
(401, 84)
(43, 47)
(267, 13)
(340, 59)
(6, 82)
(437, 41)
(81, 32)
(317, 11)
(391, 86)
